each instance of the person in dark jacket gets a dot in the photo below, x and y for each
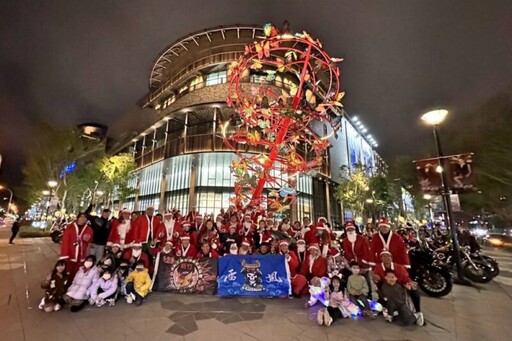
(14, 229)
(101, 231)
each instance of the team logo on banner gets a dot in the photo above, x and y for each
(185, 275)
(253, 276)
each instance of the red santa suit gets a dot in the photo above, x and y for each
(149, 227)
(121, 233)
(314, 267)
(191, 216)
(128, 254)
(211, 254)
(298, 281)
(75, 246)
(395, 245)
(172, 229)
(358, 250)
(401, 272)
(189, 251)
(310, 236)
(247, 231)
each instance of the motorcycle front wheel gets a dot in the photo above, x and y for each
(481, 274)
(435, 282)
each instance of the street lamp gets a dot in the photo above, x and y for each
(52, 183)
(434, 118)
(10, 198)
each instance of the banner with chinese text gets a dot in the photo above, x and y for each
(253, 276)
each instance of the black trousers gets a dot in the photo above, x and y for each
(415, 297)
(335, 313)
(13, 235)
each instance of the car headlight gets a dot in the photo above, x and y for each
(496, 242)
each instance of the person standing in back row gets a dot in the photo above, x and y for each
(101, 229)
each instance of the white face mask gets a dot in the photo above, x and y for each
(301, 248)
(106, 277)
(136, 253)
(88, 264)
(243, 252)
(233, 251)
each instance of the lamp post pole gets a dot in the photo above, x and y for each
(448, 207)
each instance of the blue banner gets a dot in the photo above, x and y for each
(253, 276)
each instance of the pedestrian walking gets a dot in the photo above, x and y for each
(14, 229)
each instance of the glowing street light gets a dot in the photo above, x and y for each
(427, 197)
(52, 183)
(434, 117)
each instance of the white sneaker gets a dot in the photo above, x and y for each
(320, 317)
(100, 302)
(129, 299)
(57, 307)
(420, 319)
(41, 305)
(389, 318)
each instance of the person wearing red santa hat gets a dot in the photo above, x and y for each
(297, 280)
(312, 236)
(209, 233)
(245, 247)
(206, 251)
(401, 273)
(247, 228)
(387, 239)
(357, 248)
(295, 230)
(233, 221)
(134, 254)
(219, 224)
(187, 231)
(315, 265)
(76, 242)
(306, 226)
(229, 238)
(172, 226)
(122, 231)
(301, 251)
(186, 249)
(198, 223)
(262, 234)
(324, 239)
(149, 229)
(191, 215)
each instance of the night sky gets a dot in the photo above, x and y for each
(68, 62)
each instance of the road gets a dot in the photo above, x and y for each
(468, 313)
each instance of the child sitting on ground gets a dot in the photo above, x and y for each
(55, 286)
(357, 288)
(395, 296)
(339, 305)
(318, 290)
(138, 284)
(104, 290)
(122, 273)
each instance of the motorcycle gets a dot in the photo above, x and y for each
(434, 280)
(56, 232)
(476, 270)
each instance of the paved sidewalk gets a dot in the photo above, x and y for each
(469, 313)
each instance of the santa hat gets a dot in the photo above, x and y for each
(137, 244)
(185, 223)
(185, 237)
(247, 215)
(301, 241)
(349, 224)
(324, 219)
(314, 246)
(383, 221)
(168, 242)
(246, 242)
(167, 213)
(125, 210)
(116, 244)
(199, 216)
(220, 217)
(335, 252)
(284, 242)
(268, 240)
(385, 252)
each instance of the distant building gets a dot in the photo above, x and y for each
(182, 161)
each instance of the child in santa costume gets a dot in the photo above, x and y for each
(76, 242)
(387, 239)
(55, 286)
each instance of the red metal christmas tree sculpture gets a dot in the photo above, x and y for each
(299, 85)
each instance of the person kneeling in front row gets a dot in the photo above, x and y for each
(396, 302)
(138, 284)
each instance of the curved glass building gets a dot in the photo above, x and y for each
(181, 159)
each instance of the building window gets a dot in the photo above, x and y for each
(178, 200)
(216, 78)
(213, 170)
(178, 173)
(151, 179)
(211, 202)
(304, 207)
